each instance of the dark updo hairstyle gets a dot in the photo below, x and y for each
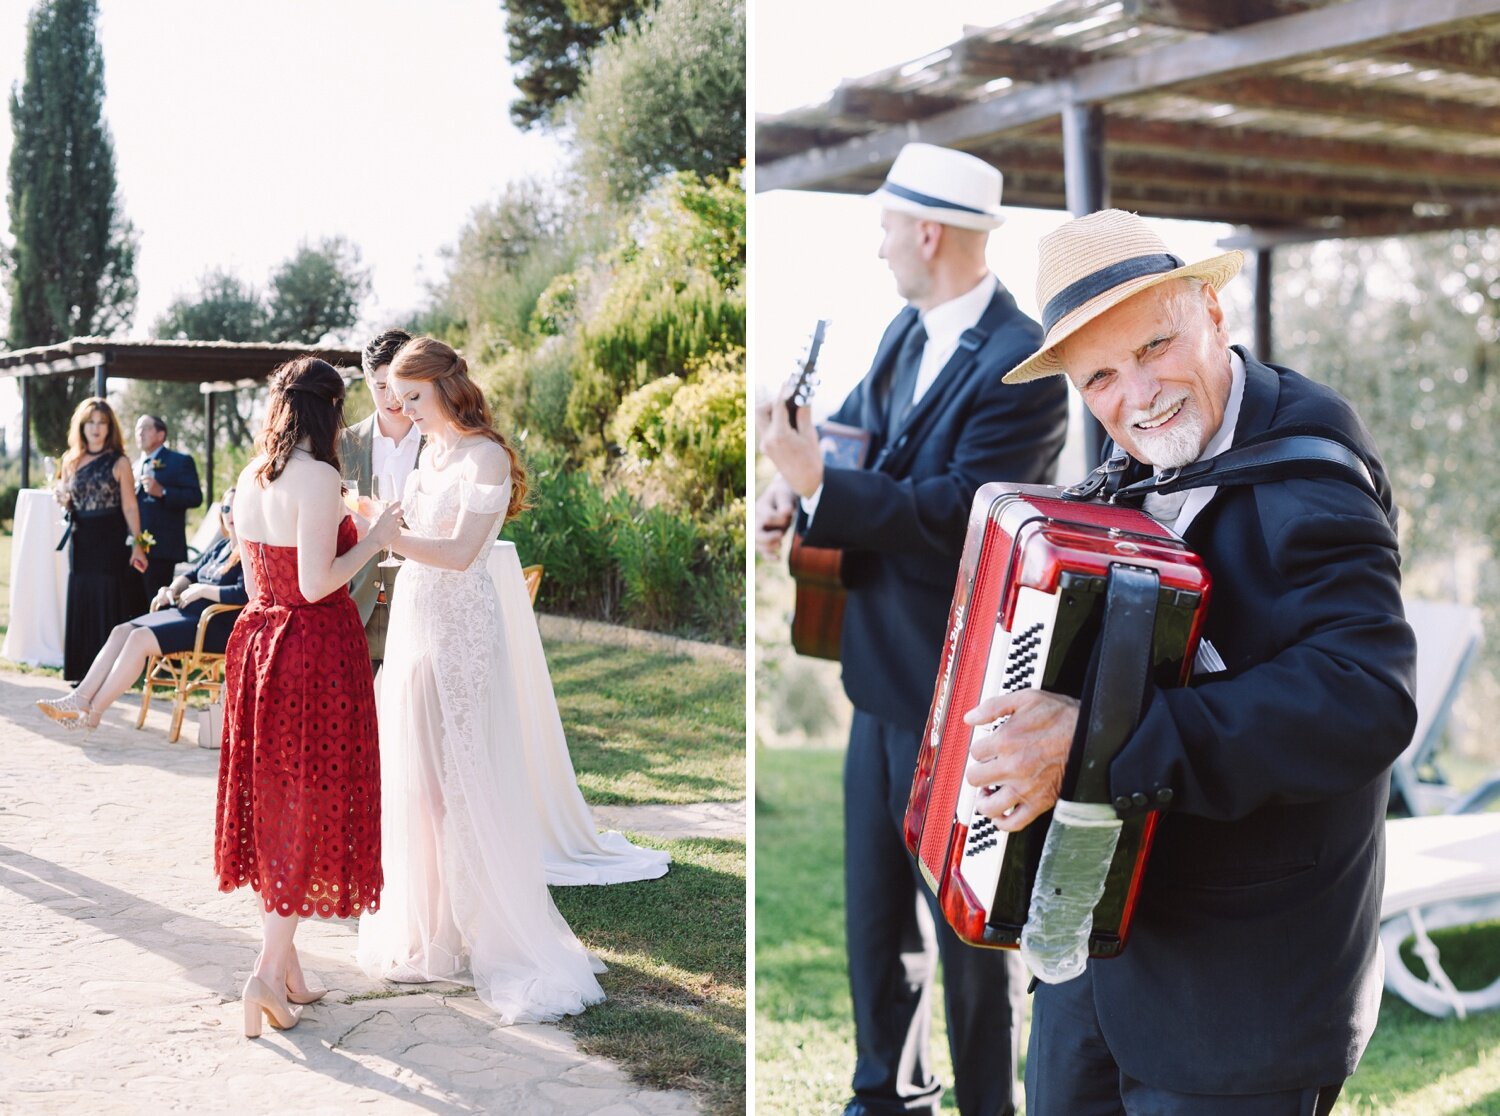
(307, 401)
(427, 360)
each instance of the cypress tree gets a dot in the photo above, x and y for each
(72, 263)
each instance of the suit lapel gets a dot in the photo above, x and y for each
(364, 438)
(958, 368)
(1258, 404)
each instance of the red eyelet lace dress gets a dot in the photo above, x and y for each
(299, 773)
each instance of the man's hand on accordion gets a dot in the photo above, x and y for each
(1023, 756)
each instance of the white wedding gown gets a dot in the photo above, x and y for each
(465, 895)
(574, 852)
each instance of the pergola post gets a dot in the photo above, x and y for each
(25, 431)
(99, 379)
(1083, 159)
(1263, 303)
(1087, 192)
(208, 442)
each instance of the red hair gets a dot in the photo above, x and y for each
(427, 360)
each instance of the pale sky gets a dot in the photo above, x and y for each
(814, 254)
(242, 129)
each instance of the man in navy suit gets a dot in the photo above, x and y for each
(166, 486)
(942, 424)
(1251, 981)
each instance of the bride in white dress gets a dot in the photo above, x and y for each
(465, 894)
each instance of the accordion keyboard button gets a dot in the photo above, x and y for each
(1164, 796)
(1140, 800)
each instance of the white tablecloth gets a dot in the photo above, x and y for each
(575, 852)
(38, 582)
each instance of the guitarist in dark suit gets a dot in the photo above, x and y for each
(942, 424)
(166, 487)
(1252, 979)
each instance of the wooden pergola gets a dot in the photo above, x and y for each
(1294, 119)
(215, 366)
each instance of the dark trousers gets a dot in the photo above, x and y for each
(896, 935)
(1071, 1072)
(159, 573)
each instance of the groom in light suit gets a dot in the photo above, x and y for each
(385, 443)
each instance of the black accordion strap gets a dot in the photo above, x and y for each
(1283, 457)
(1115, 694)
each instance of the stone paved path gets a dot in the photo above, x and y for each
(121, 964)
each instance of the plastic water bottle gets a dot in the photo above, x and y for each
(1069, 883)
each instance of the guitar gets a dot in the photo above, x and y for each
(818, 614)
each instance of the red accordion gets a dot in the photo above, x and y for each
(1038, 577)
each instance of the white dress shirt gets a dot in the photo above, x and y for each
(1178, 510)
(390, 456)
(944, 325)
(140, 468)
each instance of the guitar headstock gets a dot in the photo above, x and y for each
(799, 388)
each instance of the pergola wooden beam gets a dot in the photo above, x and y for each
(1286, 94)
(1459, 53)
(1461, 217)
(1363, 25)
(1251, 146)
(1020, 62)
(1208, 16)
(1464, 53)
(887, 106)
(180, 361)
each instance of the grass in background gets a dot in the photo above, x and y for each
(675, 948)
(646, 727)
(804, 1039)
(1415, 1065)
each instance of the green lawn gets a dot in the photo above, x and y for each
(1415, 1066)
(675, 948)
(646, 727)
(653, 728)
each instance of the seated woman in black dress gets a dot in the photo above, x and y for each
(217, 577)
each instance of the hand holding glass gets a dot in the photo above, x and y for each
(385, 493)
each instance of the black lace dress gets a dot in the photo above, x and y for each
(102, 588)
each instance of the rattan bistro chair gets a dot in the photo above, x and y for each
(533, 578)
(185, 673)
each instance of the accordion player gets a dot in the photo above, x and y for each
(1088, 599)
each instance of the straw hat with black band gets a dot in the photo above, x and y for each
(1095, 263)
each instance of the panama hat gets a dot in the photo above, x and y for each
(943, 185)
(1095, 263)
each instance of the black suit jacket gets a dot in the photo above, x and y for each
(1253, 964)
(901, 521)
(165, 516)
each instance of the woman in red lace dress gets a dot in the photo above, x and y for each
(299, 778)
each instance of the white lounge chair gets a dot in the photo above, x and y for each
(1440, 872)
(1443, 863)
(1448, 637)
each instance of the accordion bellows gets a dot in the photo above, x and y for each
(1027, 612)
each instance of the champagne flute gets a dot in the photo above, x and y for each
(384, 490)
(351, 490)
(49, 466)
